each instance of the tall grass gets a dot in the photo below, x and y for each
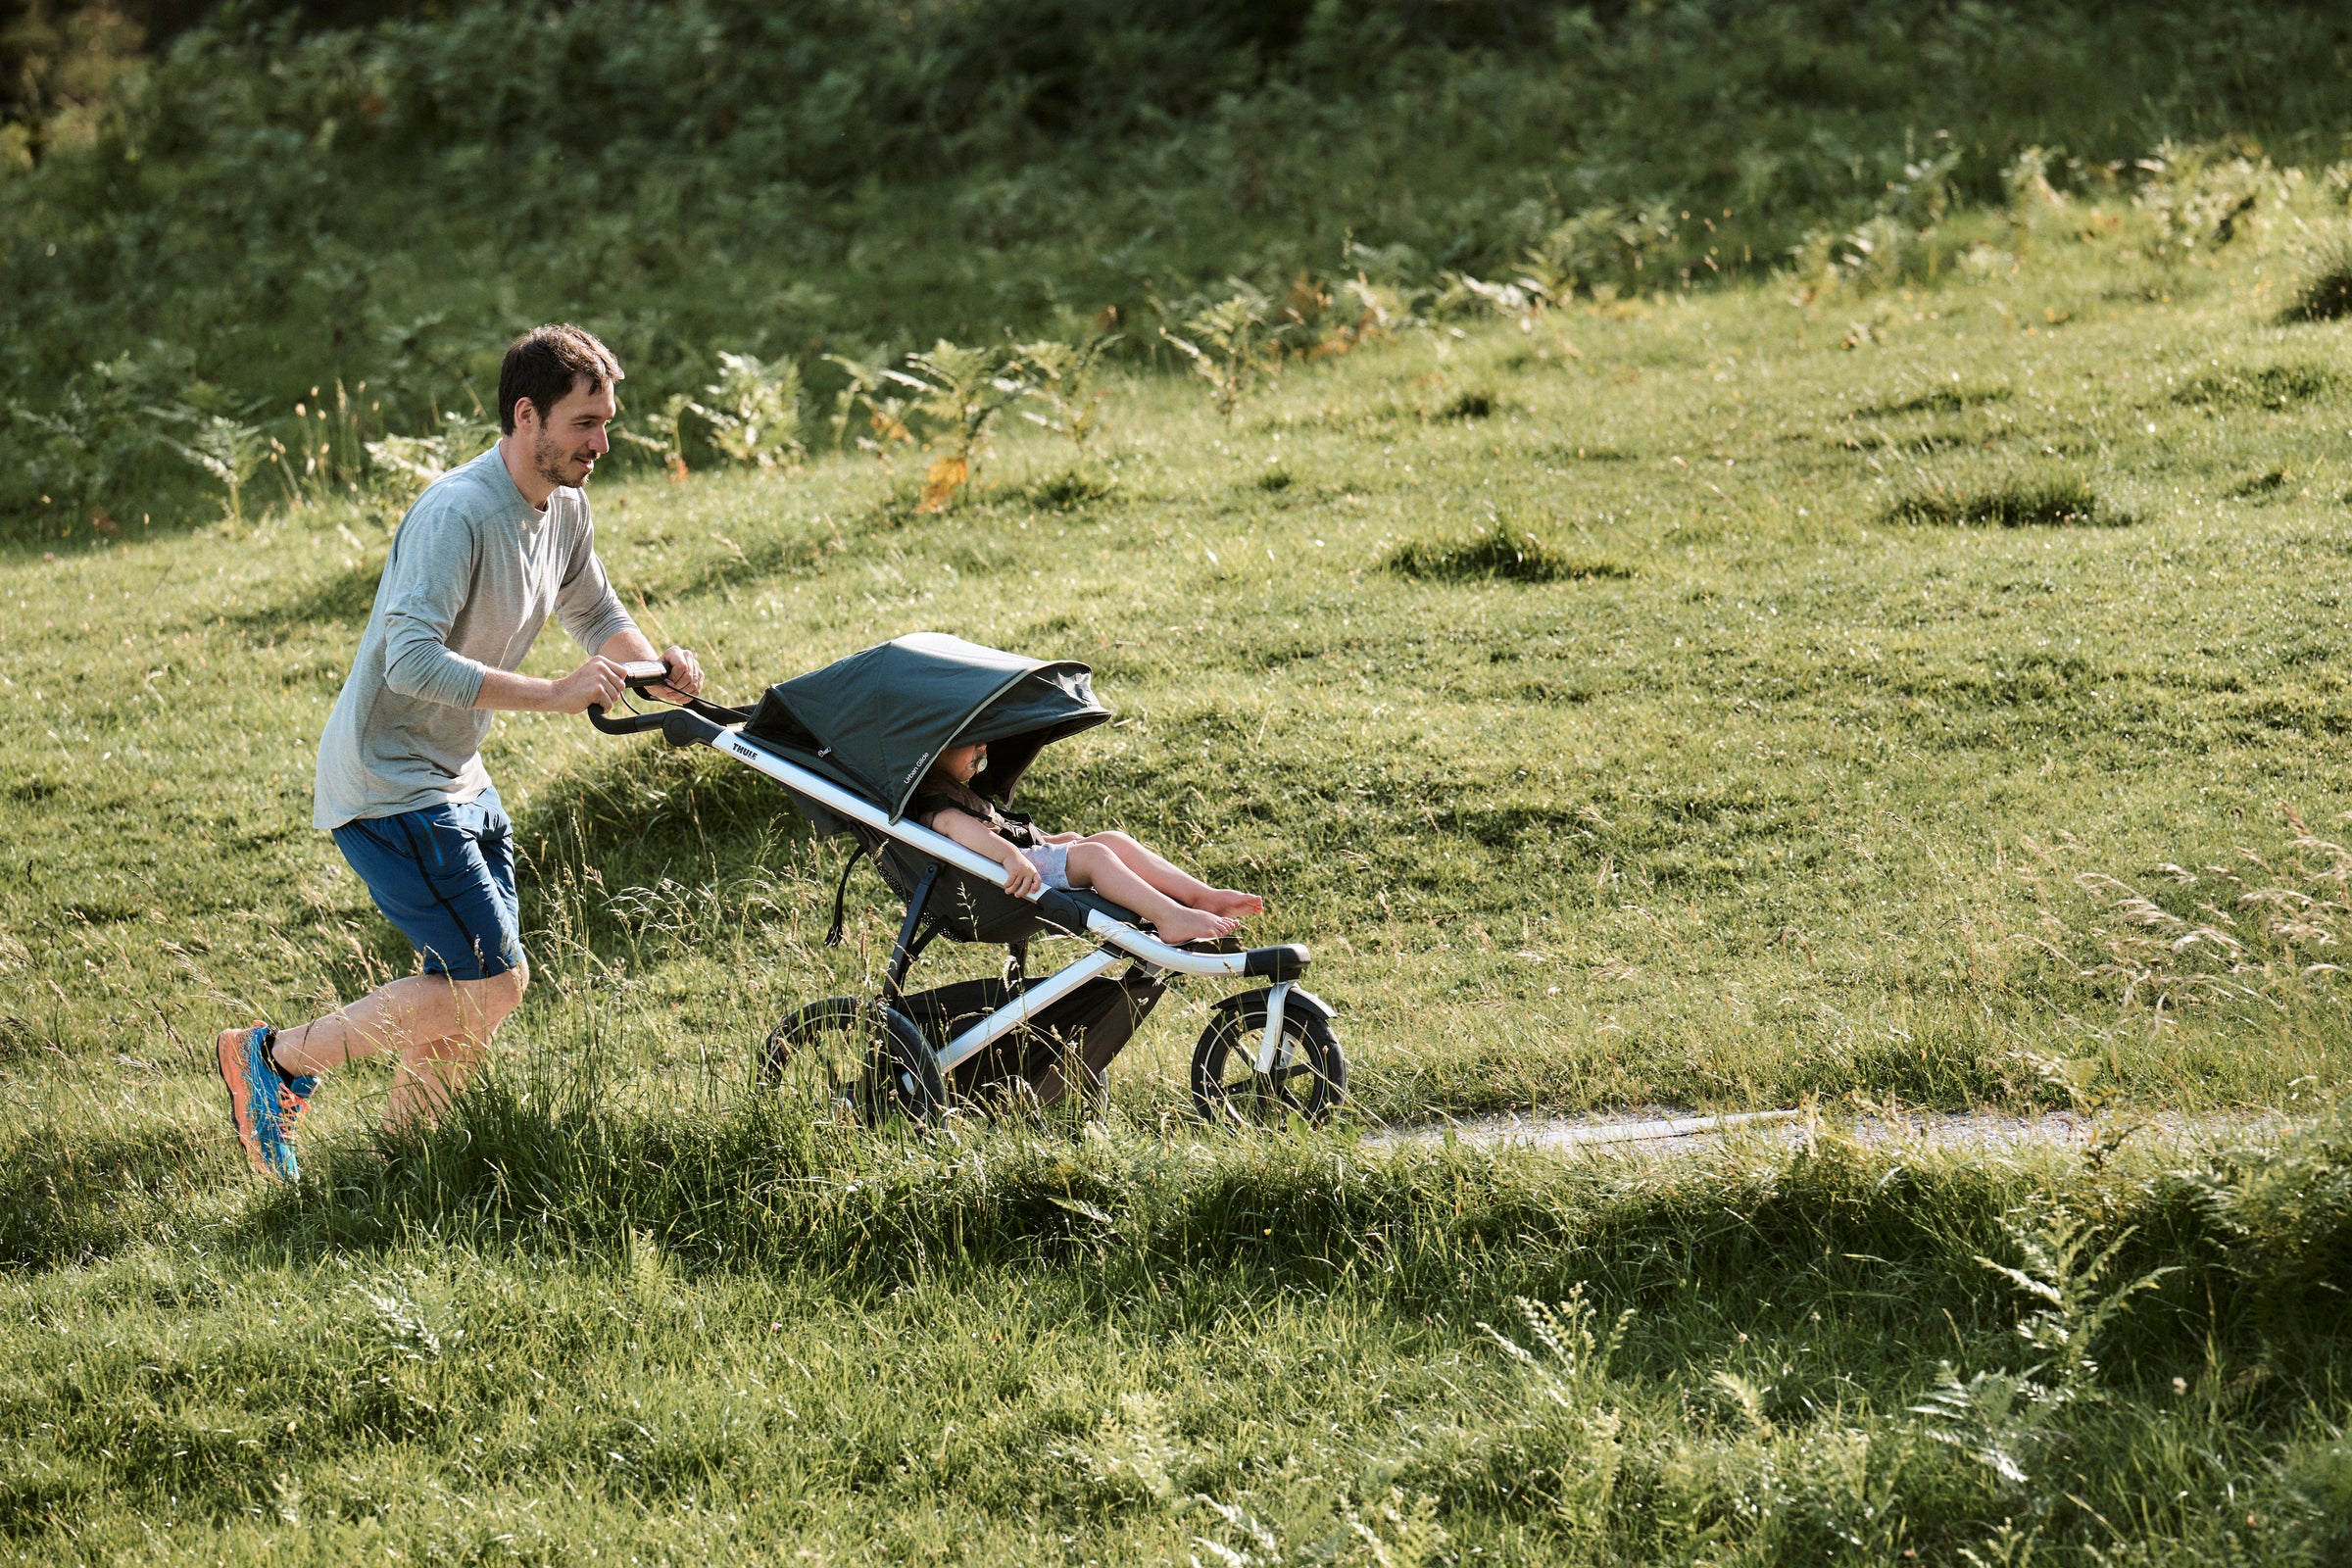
(591, 1324)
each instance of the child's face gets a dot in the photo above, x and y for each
(963, 762)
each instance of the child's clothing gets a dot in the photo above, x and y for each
(939, 795)
(1053, 862)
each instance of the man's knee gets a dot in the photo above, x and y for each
(491, 999)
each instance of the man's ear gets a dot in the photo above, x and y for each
(526, 415)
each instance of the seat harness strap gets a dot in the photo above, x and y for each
(841, 893)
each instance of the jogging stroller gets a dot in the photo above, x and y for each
(849, 744)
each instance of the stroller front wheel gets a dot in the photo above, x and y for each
(1309, 1077)
(862, 1058)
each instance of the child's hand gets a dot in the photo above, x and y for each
(1020, 877)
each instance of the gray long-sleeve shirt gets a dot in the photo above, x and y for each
(473, 574)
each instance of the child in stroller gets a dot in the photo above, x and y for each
(1181, 905)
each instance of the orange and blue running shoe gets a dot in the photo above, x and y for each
(265, 1103)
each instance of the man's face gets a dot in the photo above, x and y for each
(566, 445)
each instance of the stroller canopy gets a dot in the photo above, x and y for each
(886, 712)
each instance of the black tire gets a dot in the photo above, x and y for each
(1227, 1087)
(867, 1061)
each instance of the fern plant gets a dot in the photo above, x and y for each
(420, 459)
(963, 391)
(1064, 384)
(1571, 1376)
(1235, 343)
(226, 450)
(2005, 1420)
(665, 438)
(754, 412)
(870, 389)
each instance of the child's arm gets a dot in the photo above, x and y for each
(1057, 838)
(1020, 877)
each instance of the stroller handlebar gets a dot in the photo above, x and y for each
(626, 725)
(641, 675)
(637, 674)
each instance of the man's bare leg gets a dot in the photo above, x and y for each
(1098, 867)
(1176, 882)
(439, 1026)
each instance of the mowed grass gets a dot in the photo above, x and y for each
(1861, 690)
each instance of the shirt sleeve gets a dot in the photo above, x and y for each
(585, 601)
(426, 581)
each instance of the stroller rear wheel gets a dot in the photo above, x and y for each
(1309, 1077)
(862, 1059)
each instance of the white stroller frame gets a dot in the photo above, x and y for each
(1276, 1055)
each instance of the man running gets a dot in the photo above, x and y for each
(481, 560)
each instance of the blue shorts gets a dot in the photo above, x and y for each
(444, 876)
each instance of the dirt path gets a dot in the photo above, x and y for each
(1661, 1133)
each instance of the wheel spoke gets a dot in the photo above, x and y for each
(1305, 1079)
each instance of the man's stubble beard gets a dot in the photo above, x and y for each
(547, 457)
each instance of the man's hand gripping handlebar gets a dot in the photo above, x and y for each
(642, 675)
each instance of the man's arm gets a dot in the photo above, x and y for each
(598, 683)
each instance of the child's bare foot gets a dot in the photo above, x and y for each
(1193, 925)
(1227, 900)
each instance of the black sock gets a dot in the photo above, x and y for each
(269, 1056)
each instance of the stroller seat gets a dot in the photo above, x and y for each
(964, 908)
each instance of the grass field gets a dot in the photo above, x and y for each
(1931, 697)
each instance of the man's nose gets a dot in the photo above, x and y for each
(599, 442)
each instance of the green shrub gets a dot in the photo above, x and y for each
(2053, 503)
(1502, 551)
(2325, 291)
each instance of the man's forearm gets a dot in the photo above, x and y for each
(508, 692)
(626, 646)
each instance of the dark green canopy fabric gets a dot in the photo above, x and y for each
(886, 712)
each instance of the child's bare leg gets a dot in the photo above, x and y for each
(1176, 882)
(1095, 865)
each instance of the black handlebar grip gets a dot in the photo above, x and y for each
(634, 724)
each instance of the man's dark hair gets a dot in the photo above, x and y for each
(547, 364)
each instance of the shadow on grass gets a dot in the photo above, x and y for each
(2268, 386)
(67, 1201)
(342, 600)
(1937, 400)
